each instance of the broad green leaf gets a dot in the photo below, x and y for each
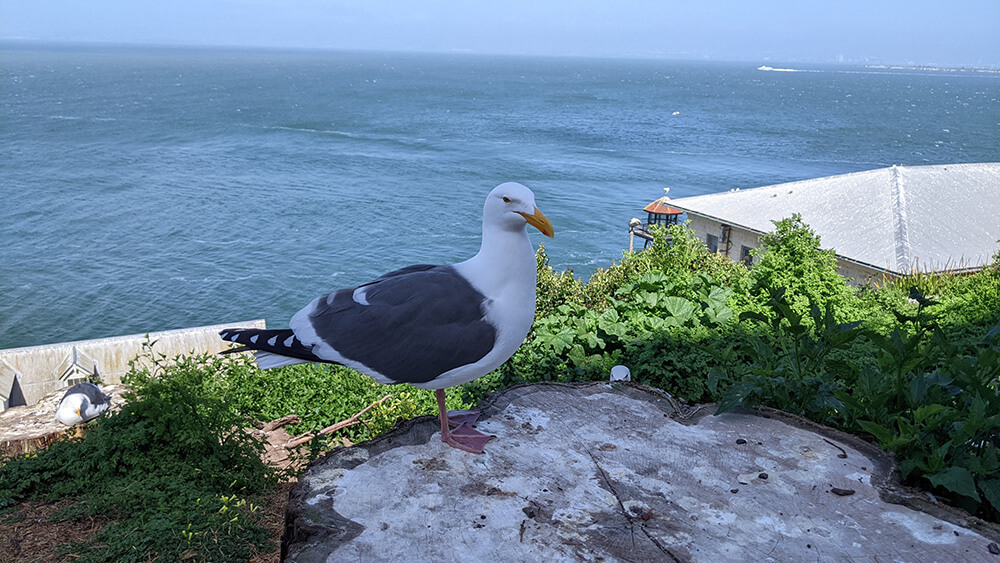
(991, 490)
(957, 480)
(927, 411)
(650, 299)
(577, 355)
(881, 433)
(680, 308)
(593, 341)
(658, 324)
(717, 296)
(559, 341)
(610, 322)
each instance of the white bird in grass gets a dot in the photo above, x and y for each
(430, 326)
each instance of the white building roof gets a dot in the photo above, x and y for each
(897, 219)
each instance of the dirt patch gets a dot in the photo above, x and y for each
(274, 520)
(28, 534)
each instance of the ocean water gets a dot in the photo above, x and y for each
(150, 188)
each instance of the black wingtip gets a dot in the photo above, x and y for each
(281, 342)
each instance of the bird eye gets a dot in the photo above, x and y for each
(506, 199)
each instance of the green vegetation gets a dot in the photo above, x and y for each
(174, 474)
(913, 365)
(324, 394)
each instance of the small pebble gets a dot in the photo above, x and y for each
(734, 491)
(763, 475)
(741, 441)
(994, 548)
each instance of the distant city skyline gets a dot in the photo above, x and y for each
(955, 33)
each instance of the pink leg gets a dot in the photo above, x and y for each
(463, 437)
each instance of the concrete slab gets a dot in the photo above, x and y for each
(622, 473)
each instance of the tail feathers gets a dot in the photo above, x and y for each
(272, 348)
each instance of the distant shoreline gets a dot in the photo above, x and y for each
(34, 43)
(935, 68)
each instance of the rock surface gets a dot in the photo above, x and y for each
(600, 473)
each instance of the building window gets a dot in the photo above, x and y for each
(745, 256)
(712, 242)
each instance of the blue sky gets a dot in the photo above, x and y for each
(954, 32)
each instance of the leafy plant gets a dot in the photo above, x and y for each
(790, 258)
(158, 471)
(791, 368)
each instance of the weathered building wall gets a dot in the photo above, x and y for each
(738, 237)
(860, 274)
(741, 238)
(28, 374)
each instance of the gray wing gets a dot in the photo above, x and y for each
(93, 393)
(417, 323)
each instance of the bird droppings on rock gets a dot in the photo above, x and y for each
(665, 493)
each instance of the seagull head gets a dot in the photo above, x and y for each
(70, 405)
(84, 403)
(512, 205)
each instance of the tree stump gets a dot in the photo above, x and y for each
(27, 429)
(620, 473)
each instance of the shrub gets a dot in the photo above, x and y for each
(172, 469)
(554, 288)
(790, 259)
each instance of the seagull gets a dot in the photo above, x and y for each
(431, 326)
(82, 402)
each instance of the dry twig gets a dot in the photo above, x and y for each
(354, 419)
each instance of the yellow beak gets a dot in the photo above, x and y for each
(539, 221)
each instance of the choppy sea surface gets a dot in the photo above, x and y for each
(147, 188)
